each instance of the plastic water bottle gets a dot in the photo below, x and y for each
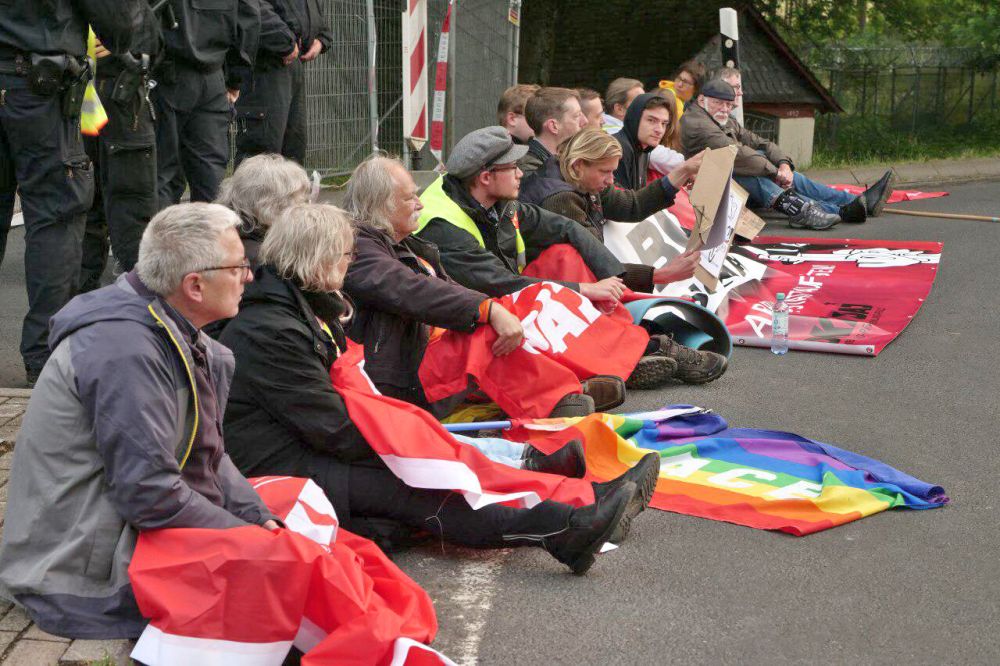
(779, 325)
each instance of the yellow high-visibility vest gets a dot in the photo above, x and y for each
(93, 118)
(437, 203)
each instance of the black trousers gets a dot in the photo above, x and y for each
(42, 156)
(369, 489)
(192, 134)
(271, 115)
(127, 172)
(95, 234)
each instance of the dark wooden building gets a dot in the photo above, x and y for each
(590, 43)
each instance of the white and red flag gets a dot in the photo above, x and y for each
(246, 595)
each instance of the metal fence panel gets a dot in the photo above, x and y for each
(483, 64)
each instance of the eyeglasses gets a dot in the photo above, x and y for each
(352, 255)
(247, 268)
(509, 167)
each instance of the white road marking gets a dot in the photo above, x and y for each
(477, 584)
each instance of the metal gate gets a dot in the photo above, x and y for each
(483, 63)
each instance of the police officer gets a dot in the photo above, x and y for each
(125, 166)
(271, 112)
(43, 74)
(193, 99)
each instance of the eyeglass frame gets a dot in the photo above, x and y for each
(246, 266)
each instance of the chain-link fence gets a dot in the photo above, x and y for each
(914, 89)
(483, 62)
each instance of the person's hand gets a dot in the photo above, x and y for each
(233, 95)
(290, 58)
(99, 50)
(608, 289)
(271, 525)
(784, 177)
(679, 268)
(686, 171)
(509, 331)
(314, 50)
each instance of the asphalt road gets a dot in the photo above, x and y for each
(914, 587)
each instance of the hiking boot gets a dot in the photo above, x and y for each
(607, 391)
(573, 404)
(693, 366)
(589, 528)
(644, 475)
(652, 371)
(854, 212)
(567, 461)
(813, 217)
(876, 195)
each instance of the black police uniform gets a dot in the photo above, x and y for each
(193, 112)
(124, 156)
(271, 111)
(42, 48)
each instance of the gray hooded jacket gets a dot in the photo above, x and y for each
(113, 442)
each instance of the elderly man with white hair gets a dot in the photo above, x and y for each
(123, 431)
(405, 298)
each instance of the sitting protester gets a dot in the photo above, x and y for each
(592, 107)
(579, 184)
(261, 187)
(485, 236)
(510, 111)
(617, 99)
(686, 84)
(286, 417)
(668, 155)
(582, 188)
(646, 123)
(123, 432)
(405, 299)
(767, 173)
(554, 115)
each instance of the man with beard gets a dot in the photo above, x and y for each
(767, 173)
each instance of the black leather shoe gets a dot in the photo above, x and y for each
(854, 212)
(876, 195)
(589, 528)
(567, 461)
(644, 475)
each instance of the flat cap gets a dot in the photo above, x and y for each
(481, 149)
(719, 89)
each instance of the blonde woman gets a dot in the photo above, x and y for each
(580, 186)
(583, 190)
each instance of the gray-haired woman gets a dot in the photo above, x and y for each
(258, 191)
(285, 416)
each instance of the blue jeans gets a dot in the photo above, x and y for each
(496, 449)
(763, 191)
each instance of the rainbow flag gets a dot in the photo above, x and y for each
(758, 478)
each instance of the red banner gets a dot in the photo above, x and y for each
(566, 339)
(845, 295)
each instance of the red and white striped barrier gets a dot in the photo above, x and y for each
(440, 90)
(415, 74)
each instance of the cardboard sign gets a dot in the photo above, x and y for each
(718, 203)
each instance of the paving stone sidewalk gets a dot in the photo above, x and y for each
(21, 642)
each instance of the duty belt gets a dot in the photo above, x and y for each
(19, 66)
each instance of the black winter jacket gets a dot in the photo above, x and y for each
(493, 270)
(396, 301)
(283, 416)
(634, 165)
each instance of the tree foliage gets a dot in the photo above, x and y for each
(880, 23)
